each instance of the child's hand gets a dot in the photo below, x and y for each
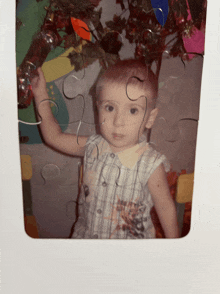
(38, 84)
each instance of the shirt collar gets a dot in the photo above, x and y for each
(128, 157)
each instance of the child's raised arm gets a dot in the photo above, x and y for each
(163, 202)
(50, 129)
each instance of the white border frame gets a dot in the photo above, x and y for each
(187, 265)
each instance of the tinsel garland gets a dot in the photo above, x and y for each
(141, 28)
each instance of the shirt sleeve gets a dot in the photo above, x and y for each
(154, 160)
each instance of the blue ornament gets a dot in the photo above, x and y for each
(161, 9)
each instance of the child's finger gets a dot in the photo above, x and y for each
(34, 81)
(40, 72)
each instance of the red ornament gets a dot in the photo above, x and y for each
(46, 40)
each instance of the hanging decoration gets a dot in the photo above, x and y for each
(143, 28)
(193, 39)
(62, 26)
(81, 29)
(72, 23)
(160, 10)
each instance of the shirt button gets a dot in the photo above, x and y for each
(99, 211)
(95, 236)
(112, 155)
(104, 184)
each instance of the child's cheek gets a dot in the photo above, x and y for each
(102, 117)
(105, 117)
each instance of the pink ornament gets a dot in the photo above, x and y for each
(196, 42)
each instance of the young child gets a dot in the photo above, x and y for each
(123, 175)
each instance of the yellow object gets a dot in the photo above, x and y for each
(26, 167)
(185, 188)
(57, 67)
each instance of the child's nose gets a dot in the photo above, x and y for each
(119, 119)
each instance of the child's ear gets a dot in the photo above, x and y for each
(152, 117)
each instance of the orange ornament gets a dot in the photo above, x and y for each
(81, 28)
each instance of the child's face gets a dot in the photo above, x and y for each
(122, 121)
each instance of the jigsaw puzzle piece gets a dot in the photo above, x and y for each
(50, 172)
(175, 130)
(79, 126)
(182, 129)
(76, 88)
(73, 77)
(112, 174)
(51, 207)
(27, 117)
(170, 133)
(134, 89)
(70, 172)
(188, 129)
(54, 108)
(171, 70)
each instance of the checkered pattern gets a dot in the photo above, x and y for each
(115, 201)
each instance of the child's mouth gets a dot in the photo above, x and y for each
(117, 136)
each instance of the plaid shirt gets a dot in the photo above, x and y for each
(115, 201)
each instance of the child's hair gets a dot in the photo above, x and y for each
(122, 72)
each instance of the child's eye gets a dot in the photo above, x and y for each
(133, 110)
(109, 108)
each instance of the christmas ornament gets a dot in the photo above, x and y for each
(161, 8)
(60, 27)
(43, 43)
(70, 23)
(193, 39)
